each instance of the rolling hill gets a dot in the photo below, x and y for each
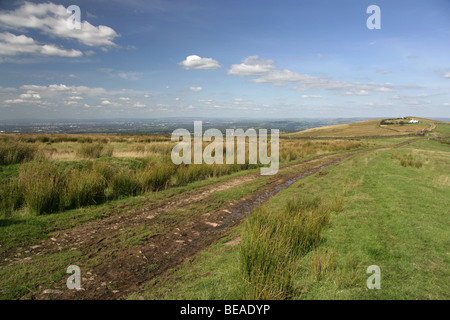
(369, 128)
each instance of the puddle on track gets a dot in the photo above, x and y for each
(248, 206)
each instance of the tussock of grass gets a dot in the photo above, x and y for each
(96, 150)
(11, 197)
(188, 174)
(104, 169)
(124, 183)
(407, 160)
(16, 152)
(42, 188)
(85, 188)
(273, 241)
(157, 178)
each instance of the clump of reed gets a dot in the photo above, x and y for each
(274, 240)
(11, 197)
(156, 178)
(84, 187)
(42, 187)
(13, 152)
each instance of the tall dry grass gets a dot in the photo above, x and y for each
(13, 152)
(45, 187)
(95, 150)
(293, 150)
(50, 186)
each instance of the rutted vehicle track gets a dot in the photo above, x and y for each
(121, 269)
(126, 269)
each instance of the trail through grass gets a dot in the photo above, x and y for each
(393, 216)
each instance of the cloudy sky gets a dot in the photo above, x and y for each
(224, 58)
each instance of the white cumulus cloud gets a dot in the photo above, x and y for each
(11, 45)
(264, 71)
(30, 95)
(196, 62)
(251, 66)
(51, 19)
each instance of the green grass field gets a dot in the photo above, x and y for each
(393, 216)
(386, 205)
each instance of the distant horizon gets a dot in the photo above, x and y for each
(192, 118)
(168, 125)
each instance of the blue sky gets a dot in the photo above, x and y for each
(227, 58)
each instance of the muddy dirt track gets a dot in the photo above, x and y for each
(173, 232)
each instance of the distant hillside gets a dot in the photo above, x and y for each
(369, 128)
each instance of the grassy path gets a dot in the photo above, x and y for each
(395, 217)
